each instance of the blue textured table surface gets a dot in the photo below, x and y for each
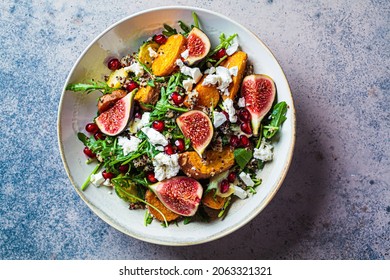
(335, 201)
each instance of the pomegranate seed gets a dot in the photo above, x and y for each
(138, 115)
(123, 168)
(158, 125)
(108, 175)
(232, 177)
(92, 128)
(224, 186)
(114, 64)
(89, 153)
(131, 86)
(219, 54)
(151, 178)
(244, 115)
(177, 98)
(99, 136)
(180, 145)
(160, 39)
(168, 149)
(234, 141)
(244, 141)
(246, 127)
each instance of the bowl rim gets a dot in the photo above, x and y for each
(226, 231)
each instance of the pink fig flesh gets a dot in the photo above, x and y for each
(181, 194)
(196, 126)
(198, 46)
(259, 92)
(114, 120)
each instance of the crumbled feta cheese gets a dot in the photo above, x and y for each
(179, 63)
(241, 193)
(233, 47)
(165, 166)
(136, 68)
(264, 152)
(155, 137)
(107, 183)
(185, 54)
(233, 71)
(210, 70)
(145, 119)
(152, 52)
(187, 84)
(246, 179)
(229, 108)
(128, 145)
(97, 179)
(241, 102)
(222, 78)
(194, 72)
(219, 119)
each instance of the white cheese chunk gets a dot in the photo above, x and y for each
(229, 108)
(210, 70)
(246, 179)
(219, 119)
(155, 137)
(145, 119)
(128, 145)
(241, 193)
(193, 72)
(187, 84)
(152, 52)
(185, 54)
(136, 68)
(241, 102)
(233, 71)
(97, 179)
(264, 152)
(165, 166)
(233, 47)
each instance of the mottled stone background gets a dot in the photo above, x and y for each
(335, 201)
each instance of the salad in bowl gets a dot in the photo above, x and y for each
(176, 116)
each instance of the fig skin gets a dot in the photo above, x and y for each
(181, 195)
(196, 126)
(259, 91)
(198, 46)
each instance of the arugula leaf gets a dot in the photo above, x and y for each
(242, 157)
(224, 43)
(168, 30)
(92, 86)
(278, 116)
(196, 19)
(184, 27)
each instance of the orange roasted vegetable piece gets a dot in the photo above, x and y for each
(214, 162)
(208, 96)
(168, 53)
(238, 59)
(151, 198)
(213, 201)
(146, 95)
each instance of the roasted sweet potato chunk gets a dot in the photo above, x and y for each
(108, 100)
(208, 96)
(238, 59)
(168, 53)
(151, 198)
(146, 95)
(213, 201)
(213, 163)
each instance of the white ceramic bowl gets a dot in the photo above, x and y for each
(76, 109)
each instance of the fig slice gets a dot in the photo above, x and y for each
(181, 194)
(259, 92)
(196, 126)
(198, 46)
(114, 120)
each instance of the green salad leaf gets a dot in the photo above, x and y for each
(242, 157)
(278, 116)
